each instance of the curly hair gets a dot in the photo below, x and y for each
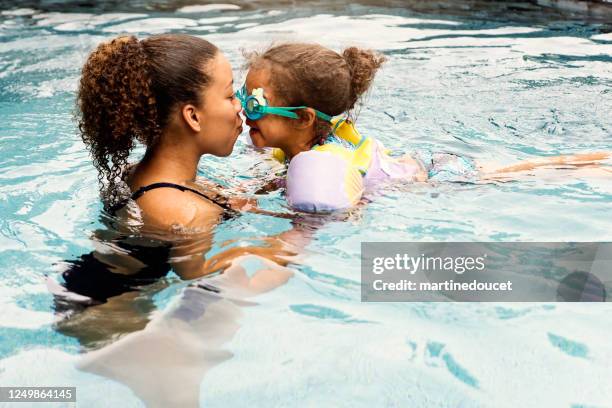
(316, 76)
(127, 91)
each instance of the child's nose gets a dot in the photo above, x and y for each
(237, 104)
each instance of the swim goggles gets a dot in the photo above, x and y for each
(256, 106)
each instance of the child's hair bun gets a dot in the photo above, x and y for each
(363, 65)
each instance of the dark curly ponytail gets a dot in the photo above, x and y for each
(363, 65)
(126, 93)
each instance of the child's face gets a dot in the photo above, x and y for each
(270, 130)
(221, 123)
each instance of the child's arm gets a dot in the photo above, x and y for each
(576, 160)
(421, 175)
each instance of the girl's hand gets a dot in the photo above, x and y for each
(242, 203)
(271, 276)
(223, 260)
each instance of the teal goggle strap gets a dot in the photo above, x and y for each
(287, 111)
(260, 109)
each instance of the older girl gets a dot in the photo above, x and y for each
(174, 94)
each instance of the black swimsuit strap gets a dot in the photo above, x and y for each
(139, 193)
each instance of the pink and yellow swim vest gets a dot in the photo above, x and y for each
(334, 176)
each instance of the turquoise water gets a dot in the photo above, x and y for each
(492, 90)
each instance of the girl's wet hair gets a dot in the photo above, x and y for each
(127, 91)
(318, 77)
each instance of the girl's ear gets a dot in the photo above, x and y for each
(306, 118)
(192, 117)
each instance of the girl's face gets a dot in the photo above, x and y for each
(221, 123)
(270, 130)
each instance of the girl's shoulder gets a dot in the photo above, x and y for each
(169, 208)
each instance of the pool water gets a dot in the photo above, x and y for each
(492, 90)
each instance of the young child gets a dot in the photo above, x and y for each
(299, 98)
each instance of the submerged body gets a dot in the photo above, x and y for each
(335, 175)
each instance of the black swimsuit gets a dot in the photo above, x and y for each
(93, 278)
(221, 202)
